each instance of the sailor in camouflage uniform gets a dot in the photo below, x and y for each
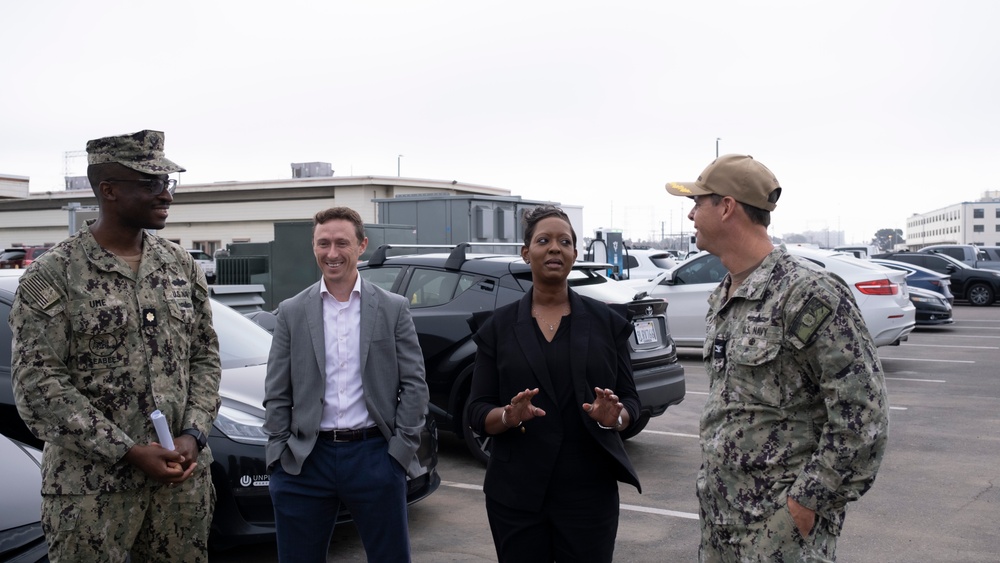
(109, 325)
(796, 420)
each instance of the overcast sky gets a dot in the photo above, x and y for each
(867, 112)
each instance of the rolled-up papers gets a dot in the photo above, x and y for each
(162, 429)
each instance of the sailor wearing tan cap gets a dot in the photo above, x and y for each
(796, 420)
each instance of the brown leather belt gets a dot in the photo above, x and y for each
(350, 435)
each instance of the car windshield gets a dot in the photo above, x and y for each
(662, 261)
(241, 342)
(199, 255)
(957, 263)
(585, 276)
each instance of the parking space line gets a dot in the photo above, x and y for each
(908, 345)
(461, 485)
(662, 433)
(968, 336)
(920, 380)
(629, 507)
(660, 511)
(928, 360)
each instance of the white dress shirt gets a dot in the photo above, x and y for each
(344, 399)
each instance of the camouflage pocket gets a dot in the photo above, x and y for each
(754, 370)
(99, 326)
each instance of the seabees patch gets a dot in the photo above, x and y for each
(809, 319)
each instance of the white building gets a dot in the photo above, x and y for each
(976, 222)
(210, 216)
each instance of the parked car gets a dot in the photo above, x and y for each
(646, 263)
(879, 292)
(859, 250)
(21, 536)
(932, 308)
(973, 256)
(243, 510)
(444, 289)
(978, 286)
(21, 256)
(920, 277)
(206, 262)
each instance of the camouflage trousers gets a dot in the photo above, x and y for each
(155, 524)
(775, 539)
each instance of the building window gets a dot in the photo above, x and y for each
(978, 229)
(978, 213)
(207, 246)
(998, 212)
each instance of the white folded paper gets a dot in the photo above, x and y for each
(162, 429)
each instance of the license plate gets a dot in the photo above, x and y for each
(645, 332)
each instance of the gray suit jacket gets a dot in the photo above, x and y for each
(392, 372)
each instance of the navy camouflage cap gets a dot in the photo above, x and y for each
(142, 151)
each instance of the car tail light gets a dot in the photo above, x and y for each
(877, 287)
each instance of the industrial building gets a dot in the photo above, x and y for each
(976, 222)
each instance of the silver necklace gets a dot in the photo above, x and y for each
(552, 327)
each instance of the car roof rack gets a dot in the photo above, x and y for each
(456, 258)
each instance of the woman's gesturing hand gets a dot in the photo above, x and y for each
(606, 409)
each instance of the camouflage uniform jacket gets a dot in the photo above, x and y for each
(797, 403)
(98, 348)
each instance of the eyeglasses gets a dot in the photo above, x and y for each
(154, 185)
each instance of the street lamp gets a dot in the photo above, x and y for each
(397, 165)
(717, 139)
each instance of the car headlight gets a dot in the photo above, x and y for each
(240, 426)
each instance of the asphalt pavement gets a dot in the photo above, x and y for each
(936, 498)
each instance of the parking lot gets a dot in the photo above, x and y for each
(937, 496)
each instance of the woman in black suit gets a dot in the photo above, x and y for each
(553, 385)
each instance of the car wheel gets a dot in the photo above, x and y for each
(635, 427)
(980, 295)
(479, 445)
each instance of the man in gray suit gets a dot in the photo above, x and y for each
(345, 398)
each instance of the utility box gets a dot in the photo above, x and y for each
(447, 219)
(287, 265)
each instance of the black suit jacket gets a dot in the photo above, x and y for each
(509, 359)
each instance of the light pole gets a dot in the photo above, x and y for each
(397, 165)
(717, 139)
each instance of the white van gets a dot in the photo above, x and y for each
(206, 262)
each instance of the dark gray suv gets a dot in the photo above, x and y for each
(980, 287)
(445, 289)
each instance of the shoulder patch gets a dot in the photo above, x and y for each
(38, 291)
(809, 319)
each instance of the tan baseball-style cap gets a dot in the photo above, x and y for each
(737, 176)
(142, 151)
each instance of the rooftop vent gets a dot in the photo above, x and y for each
(312, 170)
(74, 183)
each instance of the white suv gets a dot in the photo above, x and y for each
(206, 262)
